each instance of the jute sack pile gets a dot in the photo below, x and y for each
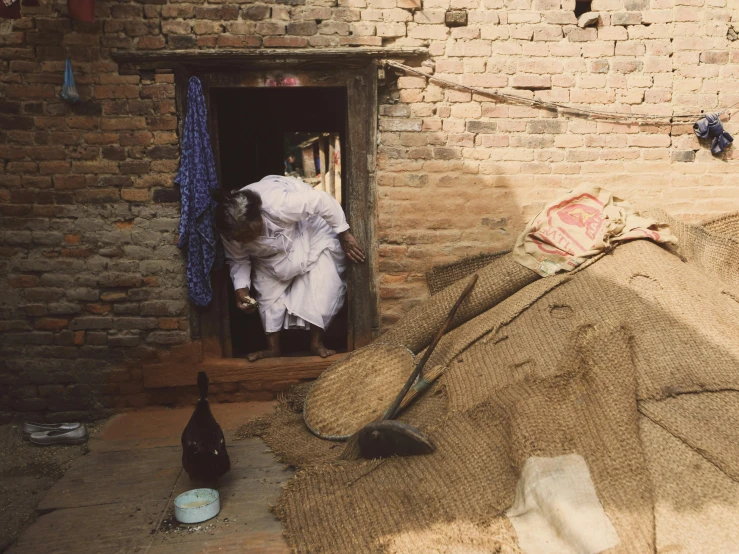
(578, 371)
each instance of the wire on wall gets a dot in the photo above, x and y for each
(619, 117)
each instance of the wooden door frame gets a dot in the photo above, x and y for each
(212, 324)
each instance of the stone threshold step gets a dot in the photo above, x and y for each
(230, 370)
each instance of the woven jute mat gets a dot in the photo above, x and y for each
(357, 389)
(725, 225)
(533, 368)
(696, 505)
(370, 506)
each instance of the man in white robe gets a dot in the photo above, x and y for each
(294, 240)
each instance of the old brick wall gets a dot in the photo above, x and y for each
(91, 279)
(459, 173)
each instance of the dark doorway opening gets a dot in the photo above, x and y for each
(299, 131)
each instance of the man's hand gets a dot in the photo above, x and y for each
(244, 302)
(351, 247)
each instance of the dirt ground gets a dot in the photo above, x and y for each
(115, 493)
(27, 471)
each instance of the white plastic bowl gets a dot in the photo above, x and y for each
(197, 505)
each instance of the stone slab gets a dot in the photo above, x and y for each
(112, 477)
(92, 529)
(155, 427)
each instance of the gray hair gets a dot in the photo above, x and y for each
(236, 210)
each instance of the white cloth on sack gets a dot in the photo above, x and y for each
(557, 511)
(298, 263)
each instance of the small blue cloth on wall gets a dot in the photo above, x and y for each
(710, 127)
(197, 178)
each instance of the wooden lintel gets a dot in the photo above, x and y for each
(169, 59)
(232, 370)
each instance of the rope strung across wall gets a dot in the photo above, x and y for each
(619, 117)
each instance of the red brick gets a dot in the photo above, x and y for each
(124, 225)
(26, 91)
(76, 252)
(217, 12)
(112, 296)
(51, 324)
(67, 182)
(207, 28)
(16, 210)
(136, 195)
(98, 309)
(100, 138)
(715, 57)
(285, 42)
(103, 196)
(123, 123)
(86, 123)
(360, 41)
(163, 123)
(150, 43)
(22, 168)
(532, 82)
(142, 138)
(23, 281)
(116, 91)
(96, 168)
(158, 91)
(169, 323)
(36, 182)
(171, 11)
(239, 41)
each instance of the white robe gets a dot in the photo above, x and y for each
(298, 262)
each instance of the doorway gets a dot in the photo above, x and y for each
(289, 86)
(296, 131)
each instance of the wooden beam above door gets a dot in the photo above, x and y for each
(170, 59)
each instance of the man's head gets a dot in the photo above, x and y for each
(238, 215)
(291, 159)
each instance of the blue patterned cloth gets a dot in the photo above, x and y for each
(197, 178)
(710, 127)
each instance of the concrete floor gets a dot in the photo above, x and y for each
(118, 498)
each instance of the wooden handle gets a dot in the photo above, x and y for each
(391, 411)
(428, 379)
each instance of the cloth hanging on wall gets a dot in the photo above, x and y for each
(69, 88)
(197, 178)
(710, 127)
(10, 9)
(83, 10)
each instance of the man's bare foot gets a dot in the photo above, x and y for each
(321, 350)
(273, 348)
(254, 356)
(317, 348)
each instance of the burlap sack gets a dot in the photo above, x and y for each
(558, 366)
(579, 225)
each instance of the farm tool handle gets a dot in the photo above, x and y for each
(390, 413)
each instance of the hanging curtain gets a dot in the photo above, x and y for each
(197, 178)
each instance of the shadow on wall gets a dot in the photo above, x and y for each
(427, 219)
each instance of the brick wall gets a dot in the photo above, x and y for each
(91, 280)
